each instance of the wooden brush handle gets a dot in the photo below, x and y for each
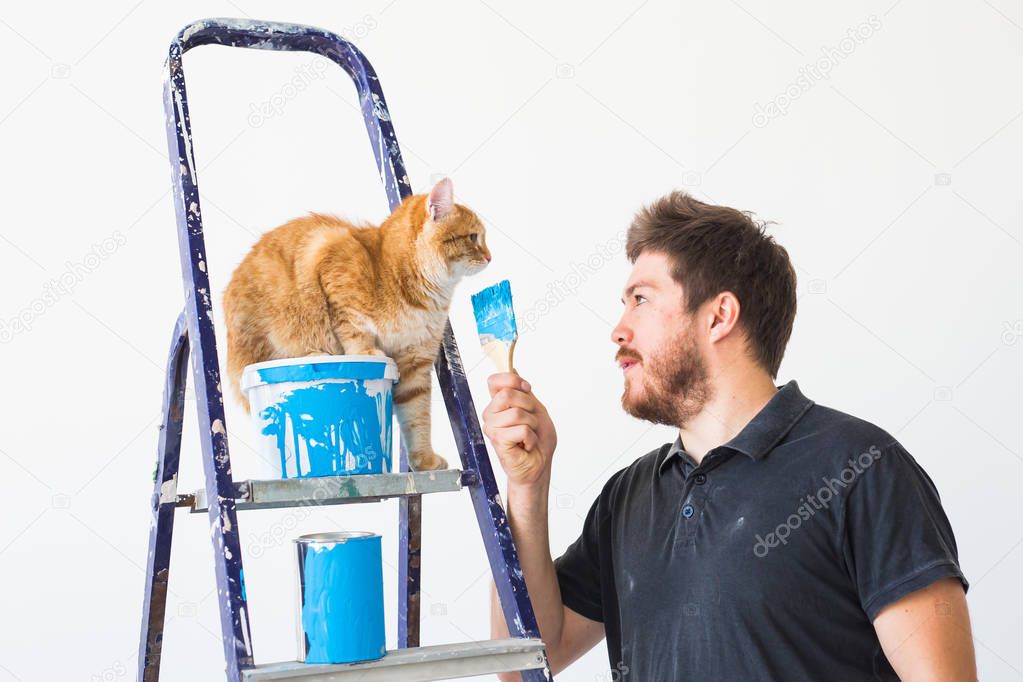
(501, 353)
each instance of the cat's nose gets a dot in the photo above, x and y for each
(488, 258)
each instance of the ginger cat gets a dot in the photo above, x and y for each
(319, 285)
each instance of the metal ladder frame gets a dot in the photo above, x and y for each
(194, 335)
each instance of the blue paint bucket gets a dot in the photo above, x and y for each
(322, 415)
(341, 597)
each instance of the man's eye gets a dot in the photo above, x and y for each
(639, 298)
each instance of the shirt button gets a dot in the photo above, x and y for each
(688, 511)
(700, 479)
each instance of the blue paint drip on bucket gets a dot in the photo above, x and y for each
(323, 415)
(341, 597)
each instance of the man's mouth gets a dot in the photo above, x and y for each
(627, 363)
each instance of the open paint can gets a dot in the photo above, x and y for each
(322, 415)
(341, 597)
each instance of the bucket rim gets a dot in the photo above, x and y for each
(317, 360)
(250, 373)
(334, 537)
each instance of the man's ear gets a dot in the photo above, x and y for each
(441, 201)
(725, 311)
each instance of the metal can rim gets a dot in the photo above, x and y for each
(333, 537)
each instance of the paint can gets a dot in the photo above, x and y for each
(341, 597)
(322, 415)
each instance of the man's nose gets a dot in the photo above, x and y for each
(621, 334)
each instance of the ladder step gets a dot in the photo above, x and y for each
(295, 492)
(416, 664)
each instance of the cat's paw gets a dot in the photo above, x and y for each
(373, 351)
(427, 461)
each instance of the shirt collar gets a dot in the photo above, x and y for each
(765, 430)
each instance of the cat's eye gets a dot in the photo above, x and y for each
(474, 238)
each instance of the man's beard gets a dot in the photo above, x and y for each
(675, 385)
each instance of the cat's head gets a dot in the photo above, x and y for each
(452, 235)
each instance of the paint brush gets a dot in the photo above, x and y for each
(495, 322)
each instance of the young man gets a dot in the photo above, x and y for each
(775, 539)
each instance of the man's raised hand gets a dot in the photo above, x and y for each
(520, 429)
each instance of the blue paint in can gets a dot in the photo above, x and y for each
(323, 415)
(341, 588)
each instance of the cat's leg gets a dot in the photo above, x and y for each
(328, 345)
(412, 407)
(356, 339)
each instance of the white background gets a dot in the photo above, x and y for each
(893, 183)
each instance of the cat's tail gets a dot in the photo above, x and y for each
(238, 353)
(235, 365)
(234, 382)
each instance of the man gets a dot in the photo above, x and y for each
(775, 539)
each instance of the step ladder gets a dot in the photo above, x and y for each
(222, 497)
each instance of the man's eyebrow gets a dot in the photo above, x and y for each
(635, 285)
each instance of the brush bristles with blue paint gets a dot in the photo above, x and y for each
(495, 322)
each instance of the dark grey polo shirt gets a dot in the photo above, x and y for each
(769, 560)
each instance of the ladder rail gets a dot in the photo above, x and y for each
(227, 555)
(165, 478)
(269, 35)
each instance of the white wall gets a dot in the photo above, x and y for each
(893, 182)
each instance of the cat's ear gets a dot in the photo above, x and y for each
(441, 200)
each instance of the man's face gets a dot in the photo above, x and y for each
(659, 352)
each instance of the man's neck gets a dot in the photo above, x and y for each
(735, 401)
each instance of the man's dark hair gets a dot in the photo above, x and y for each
(715, 249)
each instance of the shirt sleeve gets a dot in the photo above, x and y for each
(579, 568)
(897, 538)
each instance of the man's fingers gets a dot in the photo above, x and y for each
(513, 416)
(530, 441)
(495, 382)
(507, 398)
(509, 437)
